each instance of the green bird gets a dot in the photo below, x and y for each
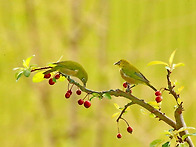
(131, 74)
(70, 68)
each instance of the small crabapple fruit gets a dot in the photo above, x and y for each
(47, 76)
(51, 82)
(67, 95)
(69, 91)
(158, 99)
(129, 129)
(78, 92)
(57, 76)
(125, 84)
(158, 93)
(87, 104)
(119, 135)
(80, 101)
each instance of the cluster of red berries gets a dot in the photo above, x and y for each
(125, 85)
(52, 80)
(158, 98)
(86, 103)
(129, 129)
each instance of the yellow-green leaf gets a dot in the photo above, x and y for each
(152, 115)
(178, 65)
(179, 101)
(27, 61)
(185, 144)
(116, 105)
(62, 78)
(185, 128)
(180, 89)
(171, 58)
(156, 143)
(18, 75)
(186, 135)
(154, 104)
(157, 62)
(38, 77)
(115, 114)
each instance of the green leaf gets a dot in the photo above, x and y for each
(95, 94)
(38, 77)
(167, 144)
(171, 58)
(186, 135)
(155, 143)
(178, 65)
(27, 72)
(18, 75)
(107, 95)
(157, 62)
(185, 144)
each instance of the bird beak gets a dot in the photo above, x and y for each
(117, 63)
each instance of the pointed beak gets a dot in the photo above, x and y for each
(117, 63)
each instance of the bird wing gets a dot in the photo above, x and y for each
(67, 71)
(134, 76)
(141, 77)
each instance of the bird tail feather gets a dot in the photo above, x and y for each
(151, 86)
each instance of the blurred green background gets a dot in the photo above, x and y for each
(95, 33)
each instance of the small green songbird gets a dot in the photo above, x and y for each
(131, 74)
(70, 68)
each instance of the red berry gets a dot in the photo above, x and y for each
(80, 101)
(158, 93)
(125, 84)
(78, 92)
(119, 135)
(87, 104)
(51, 82)
(69, 91)
(129, 129)
(67, 95)
(47, 76)
(158, 99)
(57, 76)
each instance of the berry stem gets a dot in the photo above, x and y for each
(125, 121)
(123, 111)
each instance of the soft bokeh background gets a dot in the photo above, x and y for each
(95, 33)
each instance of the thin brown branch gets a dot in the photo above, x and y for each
(122, 94)
(124, 110)
(40, 68)
(178, 112)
